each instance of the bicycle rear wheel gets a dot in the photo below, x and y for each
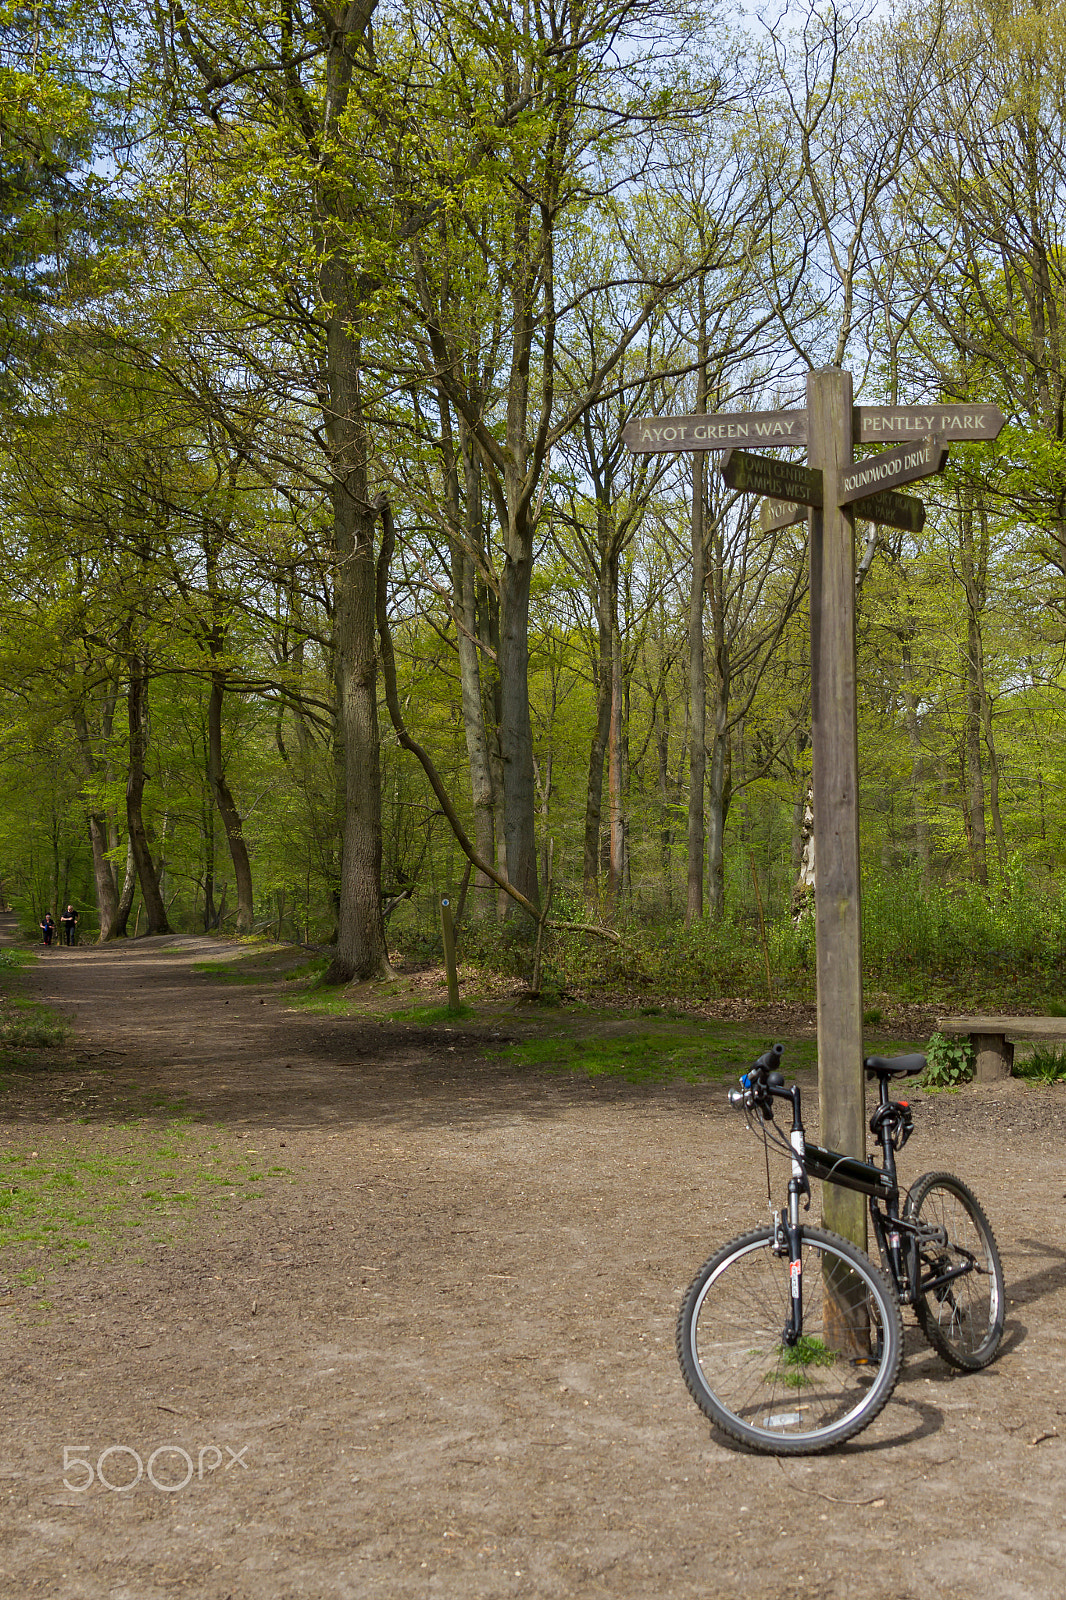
(777, 1398)
(963, 1317)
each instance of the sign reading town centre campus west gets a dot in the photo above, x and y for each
(785, 480)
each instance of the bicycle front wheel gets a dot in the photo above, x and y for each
(957, 1279)
(761, 1385)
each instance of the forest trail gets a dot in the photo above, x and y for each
(425, 1324)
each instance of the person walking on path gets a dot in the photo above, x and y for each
(69, 924)
(48, 927)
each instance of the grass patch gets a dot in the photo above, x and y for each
(79, 1199)
(1046, 1064)
(687, 1052)
(31, 1035)
(654, 1057)
(430, 1014)
(259, 964)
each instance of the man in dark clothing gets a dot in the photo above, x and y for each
(69, 922)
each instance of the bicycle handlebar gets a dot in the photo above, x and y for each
(760, 1083)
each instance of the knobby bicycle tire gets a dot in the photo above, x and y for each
(790, 1400)
(963, 1318)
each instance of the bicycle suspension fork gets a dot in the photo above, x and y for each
(789, 1225)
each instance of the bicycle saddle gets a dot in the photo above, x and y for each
(894, 1066)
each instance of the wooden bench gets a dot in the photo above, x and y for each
(994, 1038)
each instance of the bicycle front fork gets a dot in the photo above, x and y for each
(787, 1239)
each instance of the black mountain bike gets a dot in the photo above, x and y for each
(790, 1338)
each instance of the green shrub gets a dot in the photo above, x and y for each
(948, 1062)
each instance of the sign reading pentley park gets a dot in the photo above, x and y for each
(887, 424)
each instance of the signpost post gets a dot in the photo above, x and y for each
(832, 490)
(835, 781)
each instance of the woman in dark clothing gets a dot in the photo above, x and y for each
(48, 927)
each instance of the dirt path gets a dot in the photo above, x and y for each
(436, 1356)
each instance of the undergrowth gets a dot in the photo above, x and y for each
(1045, 1064)
(963, 947)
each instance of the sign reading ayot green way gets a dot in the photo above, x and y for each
(716, 431)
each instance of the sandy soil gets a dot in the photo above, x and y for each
(437, 1357)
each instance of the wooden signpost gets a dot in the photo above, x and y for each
(831, 491)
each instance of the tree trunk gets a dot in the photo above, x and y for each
(607, 586)
(697, 694)
(616, 859)
(103, 875)
(516, 731)
(464, 600)
(361, 950)
(974, 782)
(129, 889)
(718, 799)
(914, 738)
(147, 875)
(666, 831)
(227, 807)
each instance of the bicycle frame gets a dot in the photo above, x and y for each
(881, 1185)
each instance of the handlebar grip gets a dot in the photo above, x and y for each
(772, 1057)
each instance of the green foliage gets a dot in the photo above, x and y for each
(808, 1351)
(1045, 1064)
(949, 1062)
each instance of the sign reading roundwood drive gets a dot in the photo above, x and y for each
(783, 480)
(717, 431)
(890, 468)
(887, 424)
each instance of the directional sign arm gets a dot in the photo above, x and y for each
(765, 475)
(890, 468)
(718, 430)
(887, 424)
(892, 510)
